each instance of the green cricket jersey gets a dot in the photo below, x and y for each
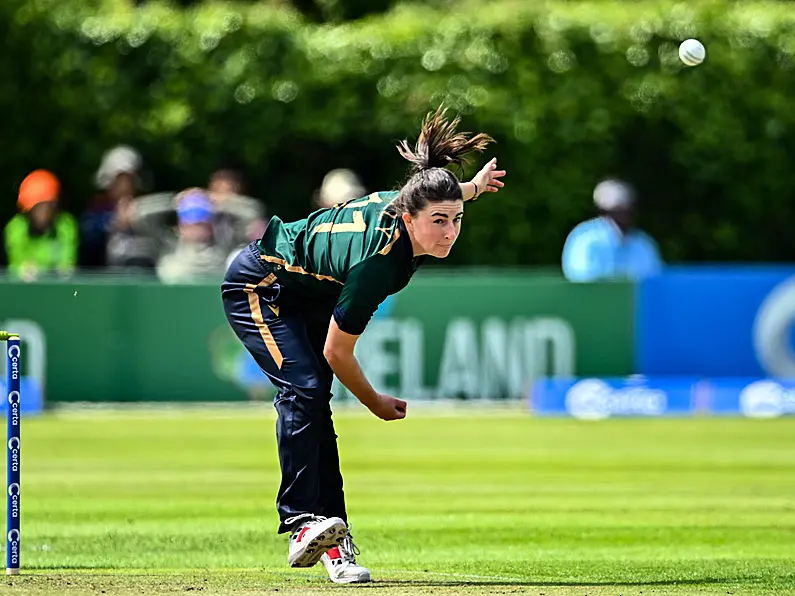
(354, 254)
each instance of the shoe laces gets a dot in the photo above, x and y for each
(303, 520)
(349, 550)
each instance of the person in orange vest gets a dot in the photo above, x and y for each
(41, 239)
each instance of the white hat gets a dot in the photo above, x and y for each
(119, 160)
(340, 185)
(610, 195)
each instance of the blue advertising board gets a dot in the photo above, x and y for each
(599, 398)
(754, 398)
(717, 322)
(638, 396)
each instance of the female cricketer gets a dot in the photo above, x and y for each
(300, 297)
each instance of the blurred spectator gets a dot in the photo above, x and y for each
(238, 218)
(41, 239)
(226, 182)
(106, 235)
(196, 256)
(339, 185)
(126, 249)
(610, 246)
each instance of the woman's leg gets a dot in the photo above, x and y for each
(276, 336)
(332, 496)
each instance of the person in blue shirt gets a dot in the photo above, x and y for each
(609, 246)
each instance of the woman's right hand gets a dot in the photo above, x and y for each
(389, 408)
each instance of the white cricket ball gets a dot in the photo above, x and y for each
(692, 52)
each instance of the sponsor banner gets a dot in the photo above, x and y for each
(717, 322)
(461, 335)
(599, 398)
(469, 335)
(638, 396)
(754, 398)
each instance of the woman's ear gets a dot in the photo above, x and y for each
(407, 219)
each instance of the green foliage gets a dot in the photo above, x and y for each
(572, 91)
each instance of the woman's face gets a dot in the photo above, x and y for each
(123, 186)
(42, 214)
(435, 228)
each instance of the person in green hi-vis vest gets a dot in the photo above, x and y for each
(300, 297)
(40, 240)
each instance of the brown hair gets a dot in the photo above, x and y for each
(438, 146)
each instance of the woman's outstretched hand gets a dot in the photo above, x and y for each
(488, 178)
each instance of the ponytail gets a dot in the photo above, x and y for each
(438, 146)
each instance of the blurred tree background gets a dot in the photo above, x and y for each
(572, 91)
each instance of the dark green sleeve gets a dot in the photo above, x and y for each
(368, 284)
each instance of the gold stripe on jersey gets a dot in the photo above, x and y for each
(358, 225)
(297, 269)
(264, 283)
(372, 198)
(388, 247)
(387, 231)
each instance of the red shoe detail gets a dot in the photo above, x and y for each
(334, 553)
(303, 531)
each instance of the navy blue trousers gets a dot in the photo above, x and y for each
(286, 338)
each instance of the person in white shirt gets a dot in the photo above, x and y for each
(610, 247)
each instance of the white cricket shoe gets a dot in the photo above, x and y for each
(341, 565)
(313, 538)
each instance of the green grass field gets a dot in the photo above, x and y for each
(464, 503)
